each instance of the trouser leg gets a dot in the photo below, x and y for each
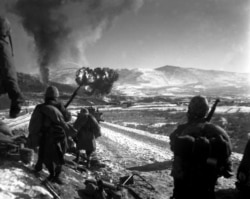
(77, 155)
(51, 170)
(88, 154)
(15, 95)
(58, 170)
(39, 163)
(179, 191)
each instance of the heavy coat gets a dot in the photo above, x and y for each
(201, 152)
(88, 130)
(243, 173)
(48, 128)
(207, 130)
(8, 75)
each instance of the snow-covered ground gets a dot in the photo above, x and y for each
(122, 150)
(16, 182)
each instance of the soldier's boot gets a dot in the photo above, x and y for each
(88, 158)
(57, 179)
(77, 157)
(50, 168)
(38, 166)
(15, 107)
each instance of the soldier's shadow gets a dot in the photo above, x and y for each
(156, 166)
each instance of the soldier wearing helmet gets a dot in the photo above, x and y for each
(48, 130)
(8, 75)
(88, 130)
(201, 153)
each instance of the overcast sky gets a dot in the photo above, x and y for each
(205, 34)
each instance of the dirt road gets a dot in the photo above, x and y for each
(126, 150)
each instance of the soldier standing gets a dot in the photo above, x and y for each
(8, 75)
(243, 173)
(48, 131)
(201, 154)
(88, 130)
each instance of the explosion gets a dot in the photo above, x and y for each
(97, 81)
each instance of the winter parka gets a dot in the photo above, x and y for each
(201, 155)
(8, 75)
(48, 127)
(88, 130)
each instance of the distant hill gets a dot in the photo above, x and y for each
(30, 83)
(33, 90)
(162, 81)
(173, 80)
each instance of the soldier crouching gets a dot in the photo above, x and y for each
(201, 154)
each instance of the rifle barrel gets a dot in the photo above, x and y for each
(211, 112)
(72, 96)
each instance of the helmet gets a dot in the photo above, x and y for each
(51, 92)
(84, 111)
(4, 26)
(198, 107)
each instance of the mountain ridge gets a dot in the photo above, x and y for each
(174, 80)
(164, 80)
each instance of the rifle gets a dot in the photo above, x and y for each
(72, 96)
(82, 78)
(211, 112)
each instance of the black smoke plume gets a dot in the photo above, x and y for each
(40, 20)
(63, 29)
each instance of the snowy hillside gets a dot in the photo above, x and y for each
(163, 81)
(171, 80)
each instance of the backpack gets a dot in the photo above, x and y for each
(208, 147)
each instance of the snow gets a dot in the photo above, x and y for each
(144, 150)
(132, 123)
(15, 181)
(160, 124)
(140, 132)
(174, 107)
(132, 147)
(233, 109)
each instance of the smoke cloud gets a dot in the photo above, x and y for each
(63, 29)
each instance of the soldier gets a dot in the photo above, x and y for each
(201, 154)
(243, 173)
(48, 130)
(88, 130)
(8, 75)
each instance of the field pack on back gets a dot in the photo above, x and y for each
(203, 144)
